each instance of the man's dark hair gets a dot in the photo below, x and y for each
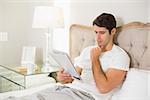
(105, 20)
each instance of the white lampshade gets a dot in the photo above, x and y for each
(48, 17)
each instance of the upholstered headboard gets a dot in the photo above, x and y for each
(133, 37)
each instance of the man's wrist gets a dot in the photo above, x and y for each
(95, 60)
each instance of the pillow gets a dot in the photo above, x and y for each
(135, 87)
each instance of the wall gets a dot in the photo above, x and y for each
(84, 11)
(125, 10)
(148, 11)
(1, 24)
(17, 21)
(0, 17)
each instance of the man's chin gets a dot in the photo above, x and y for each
(101, 46)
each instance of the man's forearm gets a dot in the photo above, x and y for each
(99, 75)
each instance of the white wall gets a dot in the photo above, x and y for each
(17, 21)
(125, 10)
(84, 11)
(0, 26)
(0, 17)
(149, 11)
(1, 29)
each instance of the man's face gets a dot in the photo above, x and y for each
(103, 37)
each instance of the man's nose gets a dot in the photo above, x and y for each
(99, 36)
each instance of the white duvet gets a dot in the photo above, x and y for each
(29, 91)
(50, 92)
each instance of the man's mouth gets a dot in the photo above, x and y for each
(99, 42)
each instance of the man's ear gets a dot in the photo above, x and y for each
(113, 31)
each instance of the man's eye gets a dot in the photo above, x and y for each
(102, 32)
(99, 32)
(96, 32)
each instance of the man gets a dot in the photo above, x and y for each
(102, 67)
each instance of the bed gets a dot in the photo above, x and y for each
(133, 37)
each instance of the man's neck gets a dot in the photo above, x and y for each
(107, 47)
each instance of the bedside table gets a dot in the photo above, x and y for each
(12, 79)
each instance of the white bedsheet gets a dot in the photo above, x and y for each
(20, 93)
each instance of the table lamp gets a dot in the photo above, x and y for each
(48, 17)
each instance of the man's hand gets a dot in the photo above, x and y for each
(95, 53)
(64, 77)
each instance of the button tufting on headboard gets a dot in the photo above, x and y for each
(133, 37)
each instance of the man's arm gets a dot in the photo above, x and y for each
(105, 81)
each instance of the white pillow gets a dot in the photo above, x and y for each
(135, 86)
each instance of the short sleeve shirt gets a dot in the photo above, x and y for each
(115, 58)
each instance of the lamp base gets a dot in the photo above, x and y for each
(45, 69)
(50, 68)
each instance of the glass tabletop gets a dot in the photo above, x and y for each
(21, 70)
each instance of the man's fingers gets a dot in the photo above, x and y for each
(61, 70)
(66, 75)
(63, 76)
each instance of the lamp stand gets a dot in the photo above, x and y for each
(48, 17)
(47, 64)
(50, 64)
